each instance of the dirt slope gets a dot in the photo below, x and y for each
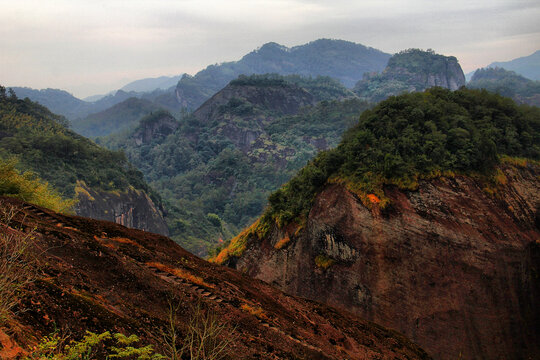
(97, 275)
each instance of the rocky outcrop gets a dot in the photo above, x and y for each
(98, 276)
(449, 265)
(132, 208)
(410, 71)
(242, 110)
(284, 99)
(155, 126)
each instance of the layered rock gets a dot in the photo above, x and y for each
(132, 208)
(452, 266)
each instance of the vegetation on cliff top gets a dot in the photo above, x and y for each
(408, 71)
(410, 137)
(42, 144)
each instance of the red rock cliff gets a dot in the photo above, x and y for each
(450, 266)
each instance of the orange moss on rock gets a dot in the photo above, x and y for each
(283, 242)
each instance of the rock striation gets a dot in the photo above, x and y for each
(132, 208)
(451, 265)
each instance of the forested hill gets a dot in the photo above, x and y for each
(72, 164)
(410, 137)
(507, 83)
(342, 60)
(216, 167)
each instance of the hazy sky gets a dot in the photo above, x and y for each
(92, 46)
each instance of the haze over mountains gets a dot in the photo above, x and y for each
(420, 212)
(528, 66)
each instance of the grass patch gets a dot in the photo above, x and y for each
(324, 262)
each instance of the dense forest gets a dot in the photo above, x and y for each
(215, 171)
(42, 143)
(414, 136)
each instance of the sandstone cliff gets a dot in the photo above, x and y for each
(409, 71)
(449, 265)
(132, 208)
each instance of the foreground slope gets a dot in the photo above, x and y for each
(420, 221)
(99, 276)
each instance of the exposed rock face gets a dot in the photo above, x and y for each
(99, 276)
(255, 106)
(452, 267)
(409, 71)
(133, 208)
(286, 99)
(159, 127)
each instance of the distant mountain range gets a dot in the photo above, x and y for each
(528, 66)
(150, 84)
(342, 60)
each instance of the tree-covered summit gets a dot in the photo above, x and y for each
(412, 136)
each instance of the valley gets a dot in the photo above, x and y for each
(351, 204)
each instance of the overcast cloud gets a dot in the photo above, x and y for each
(93, 46)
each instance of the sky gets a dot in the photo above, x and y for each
(90, 47)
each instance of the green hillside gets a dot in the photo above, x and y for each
(42, 143)
(117, 118)
(414, 136)
(216, 169)
(507, 83)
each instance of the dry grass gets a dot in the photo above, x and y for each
(206, 337)
(238, 244)
(180, 273)
(17, 265)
